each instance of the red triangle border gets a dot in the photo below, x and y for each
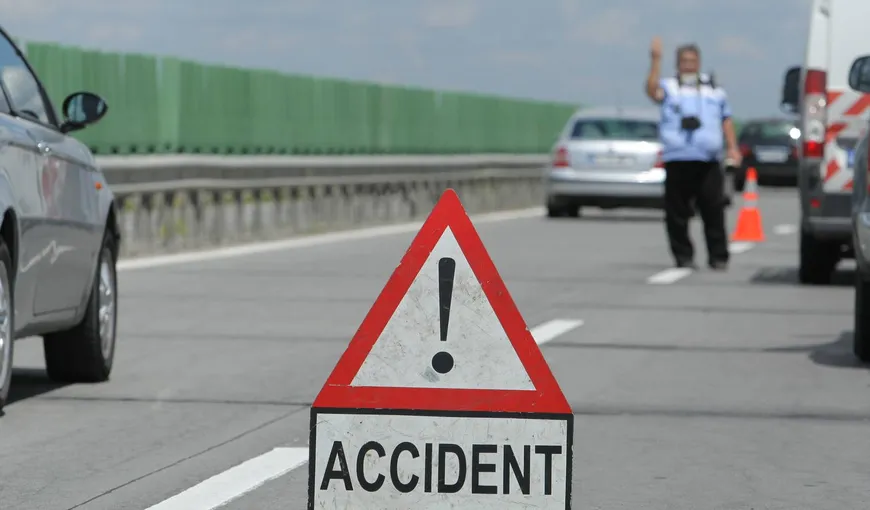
(547, 396)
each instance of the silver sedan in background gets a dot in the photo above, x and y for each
(608, 158)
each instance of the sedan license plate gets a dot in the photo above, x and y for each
(610, 160)
(771, 155)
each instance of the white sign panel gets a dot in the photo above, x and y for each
(393, 461)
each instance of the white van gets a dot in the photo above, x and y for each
(832, 116)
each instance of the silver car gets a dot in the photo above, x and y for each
(859, 80)
(609, 158)
(606, 157)
(59, 235)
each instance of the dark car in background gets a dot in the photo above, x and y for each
(771, 147)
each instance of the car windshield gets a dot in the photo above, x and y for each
(615, 129)
(771, 131)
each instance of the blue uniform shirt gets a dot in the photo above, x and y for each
(707, 103)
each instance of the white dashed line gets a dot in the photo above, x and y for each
(669, 276)
(549, 330)
(237, 481)
(740, 247)
(784, 230)
(675, 274)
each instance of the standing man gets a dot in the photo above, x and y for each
(695, 117)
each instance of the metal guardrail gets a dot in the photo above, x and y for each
(181, 203)
(150, 169)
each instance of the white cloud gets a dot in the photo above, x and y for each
(613, 27)
(740, 47)
(101, 34)
(524, 58)
(18, 10)
(48, 10)
(250, 39)
(449, 13)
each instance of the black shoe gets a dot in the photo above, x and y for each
(686, 264)
(719, 265)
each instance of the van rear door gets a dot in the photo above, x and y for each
(847, 110)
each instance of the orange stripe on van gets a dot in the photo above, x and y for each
(859, 106)
(832, 169)
(833, 95)
(834, 130)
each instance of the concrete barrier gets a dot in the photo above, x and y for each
(304, 197)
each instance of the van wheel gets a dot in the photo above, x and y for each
(861, 333)
(7, 324)
(85, 352)
(818, 260)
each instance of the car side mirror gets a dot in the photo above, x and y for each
(859, 74)
(82, 109)
(790, 100)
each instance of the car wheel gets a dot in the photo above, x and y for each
(553, 211)
(861, 333)
(7, 323)
(562, 211)
(818, 259)
(85, 353)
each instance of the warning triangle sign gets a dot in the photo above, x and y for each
(444, 334)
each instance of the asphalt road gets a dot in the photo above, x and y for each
(718, 391)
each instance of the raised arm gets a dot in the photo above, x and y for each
(653, 89)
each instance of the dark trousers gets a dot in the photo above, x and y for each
(691, 186)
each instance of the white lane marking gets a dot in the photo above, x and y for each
(674, 274)
(669, 276)
(740, 247)
(543, 333)
(784, 230)
(234, 482)
(306, 241)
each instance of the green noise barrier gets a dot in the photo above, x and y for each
(167, 105)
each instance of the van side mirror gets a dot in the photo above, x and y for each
(859, 74)
(790, 101)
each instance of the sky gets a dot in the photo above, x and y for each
(577, 51)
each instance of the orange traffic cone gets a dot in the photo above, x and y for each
(749, 228)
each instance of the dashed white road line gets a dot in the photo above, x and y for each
(549, 330)
(740, 247)
(237, 481)
(784, 230)
(675, 274)
(669, 276)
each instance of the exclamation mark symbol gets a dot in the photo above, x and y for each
(443, 361)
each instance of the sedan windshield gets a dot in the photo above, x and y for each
(777, 132)
(615, 129)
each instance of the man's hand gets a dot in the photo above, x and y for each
(652, 80)
(734, 156)
(655, 48)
